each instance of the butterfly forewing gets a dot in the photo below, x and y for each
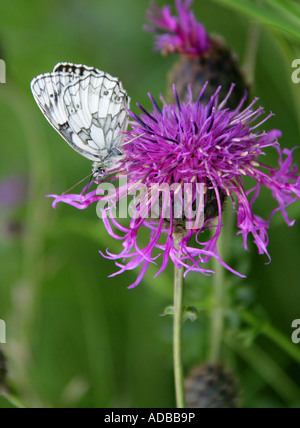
(87, 107)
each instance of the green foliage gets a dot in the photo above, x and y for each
(282, 15)
(75, 337)
(189, 313)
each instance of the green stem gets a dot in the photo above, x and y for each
(220, 298)
(251, 53)
(178, 334)
(217, 322)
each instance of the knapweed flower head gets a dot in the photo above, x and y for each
(186, 159)
(181, 34)
(202, 57)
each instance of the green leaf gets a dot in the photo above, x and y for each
(169, 310)
(190, 313)
(266, 329)
(286, 6)
(275, 13)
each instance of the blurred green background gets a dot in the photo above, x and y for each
(74, 337)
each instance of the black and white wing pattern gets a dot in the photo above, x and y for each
(88, 107)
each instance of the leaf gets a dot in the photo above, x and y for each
(286, 6)
(189, 313)
(275, 13)
(169, 310)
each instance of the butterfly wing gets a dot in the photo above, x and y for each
(97, 110)
(87, 107)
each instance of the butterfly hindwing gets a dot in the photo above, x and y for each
(95, 107)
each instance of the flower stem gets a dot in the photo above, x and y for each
(177, 337)
(178, 329)
(251, 52)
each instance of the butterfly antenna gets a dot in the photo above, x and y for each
(133, 139)
(77, 184)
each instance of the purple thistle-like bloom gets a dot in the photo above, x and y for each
(182, 34)
(193, 143)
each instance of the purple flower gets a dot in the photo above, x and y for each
(182, 34)
(210, 148)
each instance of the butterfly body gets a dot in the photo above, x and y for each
(88, 108)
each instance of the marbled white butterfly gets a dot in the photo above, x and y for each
(88, 107)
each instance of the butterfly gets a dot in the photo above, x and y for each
(89, 109)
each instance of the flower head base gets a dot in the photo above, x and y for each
(209, 149)
(182, 34)
(203, 58)
(212, 387)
